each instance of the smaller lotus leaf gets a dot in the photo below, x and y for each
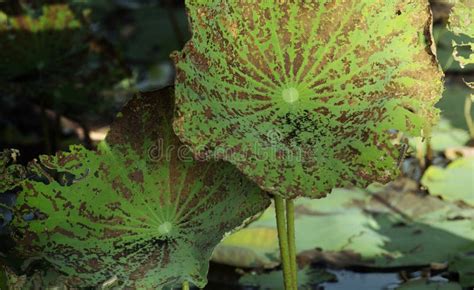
(444, 136)
(453, 183)
(305, 96)
(386, 227)
(249, 248)
(138, 209)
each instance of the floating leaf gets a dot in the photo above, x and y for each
(464, 265)
(443, 137)
(304, 96)
(458, 152)
(423, 284)
(454, 183)
(387, 227)
(253, 247)
(307, 279)
(138, 209)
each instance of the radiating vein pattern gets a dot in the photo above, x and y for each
(137, 208)
(333, 80)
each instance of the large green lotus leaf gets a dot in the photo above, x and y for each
(461, 21)
(304, 96)
(386, 227)
(139, 208)
(453, 183)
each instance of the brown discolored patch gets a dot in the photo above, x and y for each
(136, 176)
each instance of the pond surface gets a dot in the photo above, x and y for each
(228, 278)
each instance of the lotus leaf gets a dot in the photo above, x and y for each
(453, 183)
(305, 96)
(139, 208)
(443, 136)
(385, 227)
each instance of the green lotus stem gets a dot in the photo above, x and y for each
(290, 226)
(185, 285)
(468, 117)
(283, 241)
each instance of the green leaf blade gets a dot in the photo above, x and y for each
(138, 209)
(301, 97)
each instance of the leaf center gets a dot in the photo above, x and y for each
(165, 228)
(290, 95)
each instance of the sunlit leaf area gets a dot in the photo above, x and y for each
(237, 144)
